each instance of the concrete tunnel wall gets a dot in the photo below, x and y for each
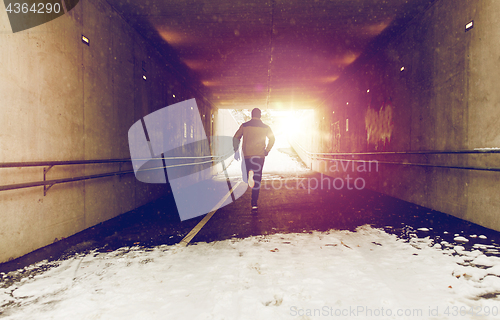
(446, 98)
(64, 100)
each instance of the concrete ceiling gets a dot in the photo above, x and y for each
(276, 54)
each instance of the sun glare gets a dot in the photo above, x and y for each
(289, 123)
(285, 124)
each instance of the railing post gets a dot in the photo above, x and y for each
(46, 187)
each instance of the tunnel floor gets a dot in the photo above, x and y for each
(294, 219)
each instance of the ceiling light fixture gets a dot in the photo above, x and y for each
(469, 26)
(85, 40)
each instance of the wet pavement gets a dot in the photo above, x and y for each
(299, 209)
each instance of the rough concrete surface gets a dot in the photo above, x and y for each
(64, 100)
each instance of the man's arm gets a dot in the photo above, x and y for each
(270, 136)
(236, 139)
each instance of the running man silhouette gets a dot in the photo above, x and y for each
(254, 149)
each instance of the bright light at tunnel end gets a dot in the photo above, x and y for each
(290, 123)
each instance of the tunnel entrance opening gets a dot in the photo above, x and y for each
(286, 125)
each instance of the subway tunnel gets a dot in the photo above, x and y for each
(387, 148)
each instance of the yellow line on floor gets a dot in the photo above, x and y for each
(209, 215)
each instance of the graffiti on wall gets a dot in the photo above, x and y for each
(379, 125)
(335, 135)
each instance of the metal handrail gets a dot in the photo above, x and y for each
(478, 150)
(417, 164)
(312, 155)
(56, 163)
(73, 162)
(57, 181)
(50, 183)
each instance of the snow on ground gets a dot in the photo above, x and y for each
(366, 274)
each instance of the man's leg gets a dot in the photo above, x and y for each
(245, 168)
(257, 166)
(248, 167)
